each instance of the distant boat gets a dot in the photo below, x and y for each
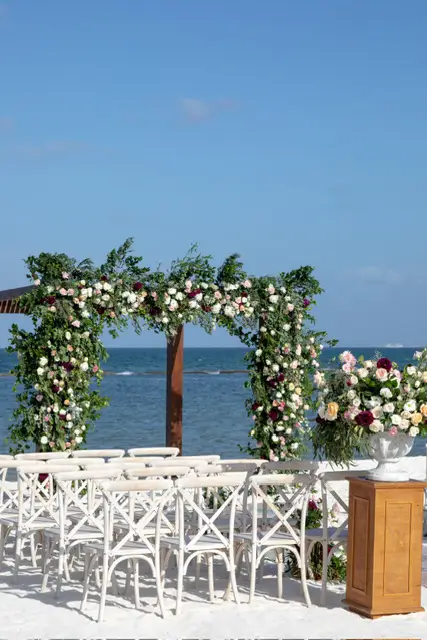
(394, 346)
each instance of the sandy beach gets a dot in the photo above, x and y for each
(26, 612)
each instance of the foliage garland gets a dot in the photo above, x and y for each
(72, 303)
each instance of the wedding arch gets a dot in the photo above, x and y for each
(71, 303)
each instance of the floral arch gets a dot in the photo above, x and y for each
(72, 303)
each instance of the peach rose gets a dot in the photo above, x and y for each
(423, 410)
(381, 374)
(332, 410)
(416, 418)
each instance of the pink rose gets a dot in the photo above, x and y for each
(381, 374)
(291, 307)
(51, 445)
(348, 357)
(76, 323)
(272, 456)
(70, 292)
(393, 431)
(396, 373)
(65, 275)
(46, 418)
(154, 295)
(39, 398)
(347, 368)
(63, 292)
(294, 364)
(95, 369)
(67, 445)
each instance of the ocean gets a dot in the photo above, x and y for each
(214, 420)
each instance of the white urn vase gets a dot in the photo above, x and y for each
(388, 450)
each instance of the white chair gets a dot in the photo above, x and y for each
(278, 531)
(242, 464)
(37, 506)
(139, 460)
(181, 461)
(41, 456)
(77, 462)
(154, 451)
(98, 453)
(134, 545)
(80, 517)
(206, 540)
(332, 538)
(171, 472)
(6, 456)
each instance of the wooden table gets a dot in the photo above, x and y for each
(384, 551)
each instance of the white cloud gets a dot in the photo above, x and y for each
(378, 275)
(196, 110)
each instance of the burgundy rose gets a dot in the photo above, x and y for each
(320, 420)
(104, 279)
(193, 294)
(364, 418)
(307, 302)
(272, 383)
(273, 415)
(385, 363)
(244, 294)
(62, 416)
(348, 383)
(51, 299)
(101, 310)
(56, 389)
(255, 406)
(137, 286)
(281, 377)
(68, 366)
(312, 505)
(154, 311)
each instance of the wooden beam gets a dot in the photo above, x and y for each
(174, 390)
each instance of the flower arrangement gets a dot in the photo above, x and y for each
(72, 303)
(365, 397)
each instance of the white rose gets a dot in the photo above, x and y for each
(274, 299)
(369, 364)
(179, 296)
(40, 371)
(286, 327)
(107, 286)
(132, 298)
(294, 446)
(353, 380)
(275, 367)
(171, 291)
(43, 440)
(199, 297)
(362, 373)
(258, 353)
(404, 424)
(376, 426)
(411, 406)
(193, 304)
(411, 371)
(351, 394)
(356, 402)
(413, 432)
(79, 439)
(377, 412)
(43, 361)
(84, 366)
(396, 420)
(386, 393)
(389, 407)
(216, 308)
(105, 297)
(67, 335)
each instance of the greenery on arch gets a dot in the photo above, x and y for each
(72, 303)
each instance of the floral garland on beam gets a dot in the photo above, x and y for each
(71, 305)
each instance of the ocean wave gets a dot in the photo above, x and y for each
(125, 373)
(212, 373)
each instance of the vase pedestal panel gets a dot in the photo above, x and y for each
(384, 554)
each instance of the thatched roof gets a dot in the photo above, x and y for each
(9, 299)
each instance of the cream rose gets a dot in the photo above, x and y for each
(416, 418)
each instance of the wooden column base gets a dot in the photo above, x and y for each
(384, 552)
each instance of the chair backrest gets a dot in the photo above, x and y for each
(190, 491)
(148, 498)
(134, 471)
(310, 466)
(76, 462)
(6, 456)
(280, 509)
(98, 453)
(79, 493)
(138, 460)
(181, 461)
(239, 465)
(154, 451)
(37, 497)
(42, 456)
(336, 515)
(8, 485)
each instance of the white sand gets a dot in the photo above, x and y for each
(26, 613)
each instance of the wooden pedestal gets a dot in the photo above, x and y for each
(384, 550)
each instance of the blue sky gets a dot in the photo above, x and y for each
(291, 132)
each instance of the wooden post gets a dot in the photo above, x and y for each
(174, 390)
(384, 549)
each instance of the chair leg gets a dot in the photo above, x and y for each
(180, 581)
(47, 559)
(3, 537)
(303, 571)
(232, 579)
(136, 582)
(18, 553)
(211, 577)
(253, 574)
(89, 565)
(33, 551)
(324, 573)
(104, 585)
(159, 562)
(62, 566)
(198, 566)
(280, 569)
